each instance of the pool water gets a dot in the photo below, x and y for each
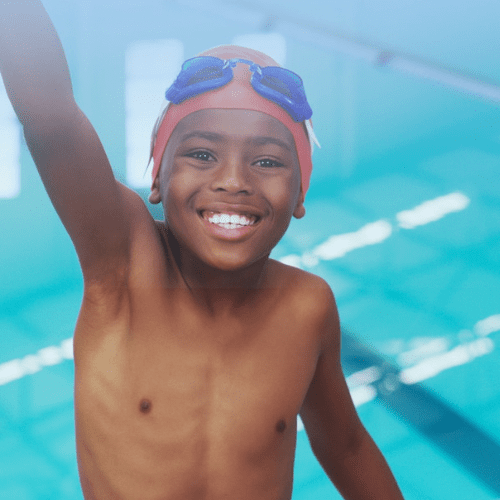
(402, 220)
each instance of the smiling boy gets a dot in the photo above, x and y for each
(194, 351)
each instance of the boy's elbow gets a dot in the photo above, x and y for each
(332, 454)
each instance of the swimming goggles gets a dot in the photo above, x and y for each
(204, 73)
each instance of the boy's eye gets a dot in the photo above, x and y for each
(200, 155)
(268, 163)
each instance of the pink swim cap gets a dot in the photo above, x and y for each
(237, 94)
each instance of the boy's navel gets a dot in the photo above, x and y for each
(145, 406)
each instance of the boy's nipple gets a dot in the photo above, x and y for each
(145, 406)
(281, 426)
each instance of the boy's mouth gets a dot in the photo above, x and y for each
(229, 219)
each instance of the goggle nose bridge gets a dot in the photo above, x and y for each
(254, 67)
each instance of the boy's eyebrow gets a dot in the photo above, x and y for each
(260, 140)
(211, 136)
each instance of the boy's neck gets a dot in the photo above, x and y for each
(219, 293)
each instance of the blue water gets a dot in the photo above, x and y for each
(417, 293)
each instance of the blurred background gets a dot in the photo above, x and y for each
(402, 220)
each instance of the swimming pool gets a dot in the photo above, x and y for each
(402, 220)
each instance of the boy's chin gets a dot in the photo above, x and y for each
(234, 266)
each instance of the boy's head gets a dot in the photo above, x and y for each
(240, 93)
(222, 150)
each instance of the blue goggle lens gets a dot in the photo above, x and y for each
(204, 73)
(200, 71)
(277, 84)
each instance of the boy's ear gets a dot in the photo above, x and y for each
(300, 210)
(155, 196)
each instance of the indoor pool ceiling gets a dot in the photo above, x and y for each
(403, 71)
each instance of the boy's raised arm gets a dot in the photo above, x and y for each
(65, 147)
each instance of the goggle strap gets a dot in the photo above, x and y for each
(312, 136)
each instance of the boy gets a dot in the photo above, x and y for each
(194, 352)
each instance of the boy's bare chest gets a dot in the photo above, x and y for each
(187, 365)
(169, 382)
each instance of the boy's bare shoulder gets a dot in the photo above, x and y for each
(313, 304)
(294, 276)
(307, 291)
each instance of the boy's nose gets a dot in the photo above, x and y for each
(232, 176)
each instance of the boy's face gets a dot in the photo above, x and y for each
(229, 161)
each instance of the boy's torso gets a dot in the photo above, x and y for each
(171, 403)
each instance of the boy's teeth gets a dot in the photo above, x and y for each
(229, 220)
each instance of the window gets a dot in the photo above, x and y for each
(10, 146)
(151, 67)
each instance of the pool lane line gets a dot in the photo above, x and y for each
(463, 441)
